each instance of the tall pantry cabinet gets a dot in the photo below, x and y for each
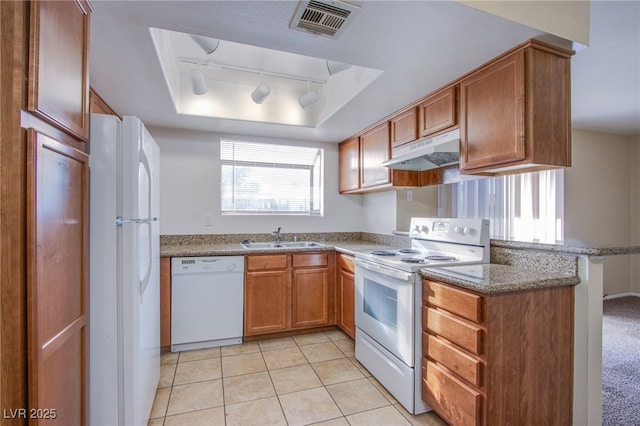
(44, 117)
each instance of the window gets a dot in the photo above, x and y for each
(260, 178)
(523, 207)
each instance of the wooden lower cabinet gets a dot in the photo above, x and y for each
(165, 303)
(345, 283)
(290, 291)
(498, 359)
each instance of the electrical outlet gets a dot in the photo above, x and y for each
(208, 220)
(409, 195)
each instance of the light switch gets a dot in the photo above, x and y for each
(409, 195)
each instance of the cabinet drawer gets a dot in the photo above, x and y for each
(465, 304)
(460, 332)
(260, 263)
(457, 403)
(457, 361)
(345, 263)
(309, 259)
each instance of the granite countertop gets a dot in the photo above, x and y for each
(576, 248)
(495, 278)
(229, 249)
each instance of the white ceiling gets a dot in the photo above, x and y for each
(420, 46)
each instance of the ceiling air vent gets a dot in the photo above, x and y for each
(323, 18)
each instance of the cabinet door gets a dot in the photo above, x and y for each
(265, 304)
(492, 114)
(349, 165)
(57, 278)
(438, 112)
(346, 305)
(165, 302)
(404, 127)
(58, 71)
(310, 297)
(374, 150)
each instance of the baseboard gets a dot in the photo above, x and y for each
(616, 296)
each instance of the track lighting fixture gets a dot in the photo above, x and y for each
(209, 45)
(198, 84)
(309, 99)
(260, 93)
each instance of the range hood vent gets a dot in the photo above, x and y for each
(325, 19)
(438, 151)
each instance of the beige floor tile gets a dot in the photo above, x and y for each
(260, 412)
(337, 335)
(208, 417)
(383, 390)
(195, 396)
(308, 339)
(429, 418)
(247, 387)
(294, 379)
(198, 371)
(156, 422)
(167, 372)
(340, 421)
(359, 366)
(197, 354)
(321, 352)
(160, 403)
(281, 358)
(245, 348)
(336, 371)
(347, 347)
(271, 344)
(384, 416)
(356, 396)
(169, 357)
(308, 406)
(236, 365)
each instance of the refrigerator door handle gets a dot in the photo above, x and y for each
(121, 221)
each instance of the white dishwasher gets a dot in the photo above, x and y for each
(207, 299)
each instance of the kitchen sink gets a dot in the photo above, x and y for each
(280, 245)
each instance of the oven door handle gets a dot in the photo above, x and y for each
(384, 270)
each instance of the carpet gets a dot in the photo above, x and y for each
(621, 362)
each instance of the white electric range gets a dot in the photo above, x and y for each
(388, 299)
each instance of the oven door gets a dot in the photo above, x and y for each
(385, 307)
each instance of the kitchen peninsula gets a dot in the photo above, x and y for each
(515, 266)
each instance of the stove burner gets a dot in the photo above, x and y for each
(383, 253)
(408, 251)
(412, 260)
(440, 257)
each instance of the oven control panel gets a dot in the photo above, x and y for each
(463, 231)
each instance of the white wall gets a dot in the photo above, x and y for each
(424, 204)
(598, 202)
(190, 190)
(634, 158)
(378, 212)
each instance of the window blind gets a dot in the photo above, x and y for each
(260, 178)
(522, 207)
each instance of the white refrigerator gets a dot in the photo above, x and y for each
(124, 286)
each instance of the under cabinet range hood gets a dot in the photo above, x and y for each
(425, 154)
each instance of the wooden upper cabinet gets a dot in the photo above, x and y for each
(438, 112)
(404, 127)
(58, 86)
(374, 150)
(514, 112)
(349, 165)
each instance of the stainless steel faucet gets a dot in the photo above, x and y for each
(276, 234)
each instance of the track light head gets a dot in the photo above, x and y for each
(209, 45)
(308, 100)
(260, 93)
(198, 83)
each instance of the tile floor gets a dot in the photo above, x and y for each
(300, 380)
